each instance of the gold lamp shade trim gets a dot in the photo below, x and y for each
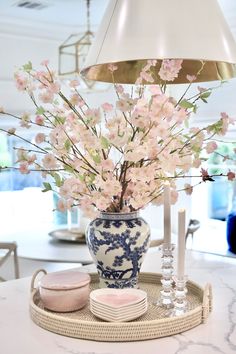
(133, 31)
(128, 71)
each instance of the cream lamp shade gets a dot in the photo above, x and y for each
(133, 31)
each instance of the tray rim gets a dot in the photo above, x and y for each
(99, 324)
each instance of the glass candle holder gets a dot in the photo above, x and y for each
(166, 298)
(180, 299)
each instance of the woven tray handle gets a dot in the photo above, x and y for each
(34, 276)
(207, 302)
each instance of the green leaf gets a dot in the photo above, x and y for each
(188, 105)
(40, 110)
(195, 108)
(69, 169)
(196, 149)
(81, 178)
(58, 180)
(104, 142)
(59, 120)
(91, 178)
(28, 67)
(205, 94)
(96, 158)
(186, 123)
(47, 187)
(67, 145)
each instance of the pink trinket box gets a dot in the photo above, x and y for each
(64, 291)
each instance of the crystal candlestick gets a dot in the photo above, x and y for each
(180, 291)
(166, 294)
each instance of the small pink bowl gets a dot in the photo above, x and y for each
(64, 291)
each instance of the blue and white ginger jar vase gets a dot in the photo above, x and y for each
(118, 243)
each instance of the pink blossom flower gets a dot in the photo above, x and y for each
(188, 189)
(54, 87)
(81, 102)
(162, 130)
(211, 146)
(173, 196)
(205, 175)
(88, 208)
(93, 116)
(231, 176)
(31, 159)
(45, 62)
(107, 107)
(146, 76)
(49, 162)
(46, 96)
(61, 206)
(191, 78)
(111, 187)
(24, 167)
(74, 83)
(25, 121)
(74, 99)
(112, 67)
(152, 62)
(72, 188)
(167, 110)
(21, 82)
(116, 157)
(107, 165)
(180, 115)
(39, 120)
(40, 138)
(119, 89)
(155, 90)
(138, 81)
(201, 89)
(21, 155)
(102, 202)
(196, 163)
(170, 69)
(123, 105)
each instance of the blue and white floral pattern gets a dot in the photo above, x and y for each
(118, 243)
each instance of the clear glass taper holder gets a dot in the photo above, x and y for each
(180, 298)
(166, 297)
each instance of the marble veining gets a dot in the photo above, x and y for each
(231, 334)
(189, 346)
(72, 351)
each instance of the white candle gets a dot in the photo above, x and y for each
(181, 243)
(167, 215)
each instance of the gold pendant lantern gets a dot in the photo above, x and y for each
(74, 50)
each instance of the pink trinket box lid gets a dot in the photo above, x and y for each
(64, 280)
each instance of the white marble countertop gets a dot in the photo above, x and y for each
(18, 334)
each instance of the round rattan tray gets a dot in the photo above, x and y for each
(154, 324)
